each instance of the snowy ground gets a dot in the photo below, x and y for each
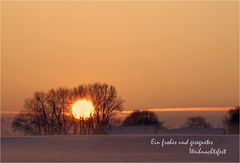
(115, 148)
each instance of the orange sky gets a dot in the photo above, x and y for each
(157, 54)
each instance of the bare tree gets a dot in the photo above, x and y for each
(36, 108)
(44, 112)
(196, 122)
(27, 123)
(58, 106)
(105, 100)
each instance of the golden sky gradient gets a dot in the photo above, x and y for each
(157, 54)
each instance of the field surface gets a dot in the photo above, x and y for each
(116, 148)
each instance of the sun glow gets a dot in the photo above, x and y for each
(82, 109)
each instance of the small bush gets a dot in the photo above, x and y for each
(196, 122)
(142, 118)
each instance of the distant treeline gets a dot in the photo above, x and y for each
(138, 118)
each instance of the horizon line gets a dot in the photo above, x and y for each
(179, 109)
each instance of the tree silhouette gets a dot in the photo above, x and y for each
(50, 113)
(45, 113)
(105, 100)
(196, 122)
(27, 123)
(140, 118)
(232, 120)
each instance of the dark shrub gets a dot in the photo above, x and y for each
(232, 120)
(140, 118)
(196, 122)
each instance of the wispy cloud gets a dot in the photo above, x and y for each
(205, 109)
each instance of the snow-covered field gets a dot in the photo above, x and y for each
(117, 148)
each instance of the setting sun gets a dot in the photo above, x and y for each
(82, 109)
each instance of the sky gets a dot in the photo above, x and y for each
(157, 54)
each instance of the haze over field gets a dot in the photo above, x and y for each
(157, 54)
(172, 119)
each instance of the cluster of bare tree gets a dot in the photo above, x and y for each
(50, 113)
